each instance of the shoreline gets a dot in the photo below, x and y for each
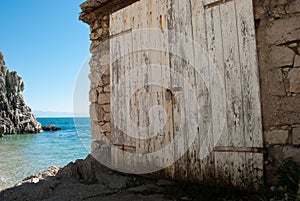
(89, 180)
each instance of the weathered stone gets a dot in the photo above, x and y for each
(50, 127)
(105, 79)
(107, 117)
(297, 61)
(104, 61)
(104, 98)
(106, 108)
(106, 89)
(291, 152)
(294, 78)
(15, 115)
(95, 129)
(106, 127)
(284, 30)
(296, 135)
(277, 136)
(275, 79)
(292, 45)
(93, 95)
(96, 112)
(281, 56)
(96, 34)
(293, 7)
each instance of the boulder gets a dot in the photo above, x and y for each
(50, 127)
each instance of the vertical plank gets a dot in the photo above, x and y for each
(175, 25)
(191, 113)
(129, 141)
(114, 69)
(137, 57)
(215, 53)
(254, 170)
(250, 88)
(249, 73)
(167, 101)
(205, 155)
(235, 121)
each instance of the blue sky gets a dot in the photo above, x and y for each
(44, 41)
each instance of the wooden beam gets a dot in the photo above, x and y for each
(104, 9)
(239, 149)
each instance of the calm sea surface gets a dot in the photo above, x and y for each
(24, 155)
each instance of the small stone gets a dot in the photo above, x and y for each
(277, 136)
(286, 69)
(294, 79)
(281, 56)
(106, 127)
(297, 61)
(296, 136)
(93, 95)
(107, 117)
(106, 89)
(106, 108)
(103, 99)
(292, 45)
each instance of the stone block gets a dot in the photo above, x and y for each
(281, 56)
(291, 152)
(106, 108)
(275, 82)
(107, 117)
(284, 30)
(104, 98)
(93, 95)
(297, 61)
(106, 127)
(95, 130)
(105, 79)
(96, 112)
(294, 79)
(105, 59)
(277, 136)
(296, 136)
(293, 7)
(106, 89)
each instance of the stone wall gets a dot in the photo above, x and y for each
(278, 42)
(100, 81)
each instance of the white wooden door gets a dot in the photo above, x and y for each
(220, 141)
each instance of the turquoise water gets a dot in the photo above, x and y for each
(24, 155)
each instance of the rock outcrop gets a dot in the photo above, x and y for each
(15, 115)
(50, 127)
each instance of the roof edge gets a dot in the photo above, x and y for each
(93, 9)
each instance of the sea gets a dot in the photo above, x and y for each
(27, 154)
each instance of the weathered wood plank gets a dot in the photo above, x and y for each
(190, 85)
(249, 72)
(205, 155)
(235, 120)
(217, 81)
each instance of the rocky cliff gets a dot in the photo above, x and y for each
(15, 115)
